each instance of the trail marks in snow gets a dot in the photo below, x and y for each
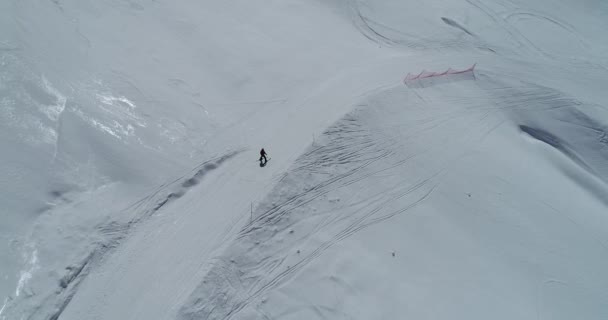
(353, 178)
(373, 166)
(456, 25)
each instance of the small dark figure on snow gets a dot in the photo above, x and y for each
(263, 156)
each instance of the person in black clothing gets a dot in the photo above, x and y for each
(263, 156)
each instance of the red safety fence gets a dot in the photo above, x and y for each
(426, 74)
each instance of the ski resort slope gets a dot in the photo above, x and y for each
(477, 196)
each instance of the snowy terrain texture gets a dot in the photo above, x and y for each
(438, 159)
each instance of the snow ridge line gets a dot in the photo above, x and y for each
(114, 232)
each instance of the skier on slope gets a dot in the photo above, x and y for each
(263, 156)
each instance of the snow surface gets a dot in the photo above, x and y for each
(131, 189)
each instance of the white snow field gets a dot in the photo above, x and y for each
(131, 189)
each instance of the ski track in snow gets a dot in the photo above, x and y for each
(349, 155)
(350, 147)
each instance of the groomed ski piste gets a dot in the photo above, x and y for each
(430, 160)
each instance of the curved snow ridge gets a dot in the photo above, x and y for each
(52, 305)
(200, 172)
(456, 25)
(162, 196)
(555, 142)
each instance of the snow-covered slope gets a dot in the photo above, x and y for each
(445, 210)
(131, 188)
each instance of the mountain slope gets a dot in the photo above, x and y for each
(132, 190)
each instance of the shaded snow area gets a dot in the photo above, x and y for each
(428, 159)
